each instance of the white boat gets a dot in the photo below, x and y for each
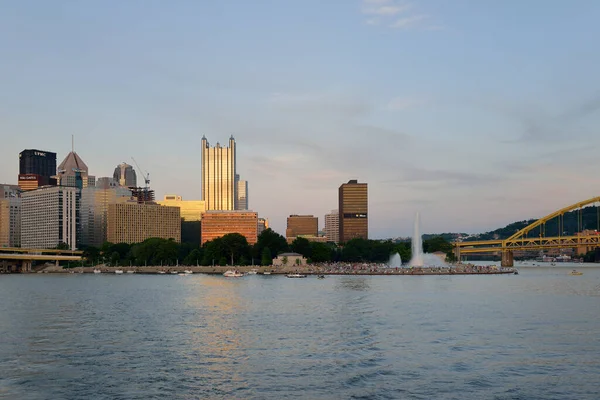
(97, 271)
(233, 274)
(131, 272)
(253, 272)
(296, 275)
(174, 272)
(118, 271)
(188, 272)
(267, 273)
(161, 272)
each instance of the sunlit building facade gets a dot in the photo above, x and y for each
(132, 222)
(191, 210)
(301, 225)
(332, 226)
(263, 224)
(241, 197)
(36, 169)
(11, 195)
(216, 224)
(125, 175)
(49, 216)
(218, 175)
(72, 171)
(353, 211)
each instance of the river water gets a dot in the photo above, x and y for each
(535, 335)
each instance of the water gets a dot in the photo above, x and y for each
(417, 244)
(529, 336)
(395, 261)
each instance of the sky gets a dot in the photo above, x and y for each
(474, 113)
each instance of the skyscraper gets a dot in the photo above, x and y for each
(125, 175)
(332, 226)
(74, 172)
(218, 175)
(36, 168)
(241, 198)
(353, 207)
(301, 225)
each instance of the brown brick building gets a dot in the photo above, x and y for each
(301, 225)
(353, 209)
(134, 222)
(215, 224)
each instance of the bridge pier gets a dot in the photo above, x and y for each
(507, 259)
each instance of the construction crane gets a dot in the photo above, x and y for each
(145, 174)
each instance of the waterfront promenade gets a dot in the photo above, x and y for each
(313, 269)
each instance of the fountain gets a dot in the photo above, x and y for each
(395, 261)
(420, 259)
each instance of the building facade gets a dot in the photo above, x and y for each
(191, 210)
(38, 162)
(332, 226)
(301, 225)
(132, 222)
(49, 216)
(353, 211)
(73, 172)
(216, 224)
(5, 223)
(125, 175)
(218, 175)
(241, 198)
(94, 210)
(263, 224)
(12, 194)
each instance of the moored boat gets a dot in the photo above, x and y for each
(575, 272)
(267, 273)
(233, 274)
(188, 272)
(253, 271)
(118, 271)
(296, 275)
(97, 271)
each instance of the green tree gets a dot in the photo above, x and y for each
(266, 258)
(284, 260)
(193, 258)
(321, 252)
(302, 246)
(271, 239)
(62, 246)
(115, 258)
(212, 252)
(235, 246)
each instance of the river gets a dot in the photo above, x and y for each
(529, 336)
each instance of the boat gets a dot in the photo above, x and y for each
(267, 273)
(296, 275)
(321, 276)
(516, 272)
(253, 271)
(161, 272)
(131, 272)
(233, 274)
(118, 271)
(174, 272)
(97, 271)
(575, 272)
(188, 272)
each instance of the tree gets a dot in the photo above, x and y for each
(298, 262)
(212, 251)
(62, 246)
(193, 258)
(266, 257)
(302, 246)
(284, 260)
(115, 258)
(321, 252)
(271, 239)
(235, 246)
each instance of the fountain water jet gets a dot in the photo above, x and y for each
(417, 245)
(395, 261)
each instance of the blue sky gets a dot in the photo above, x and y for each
(475, 113)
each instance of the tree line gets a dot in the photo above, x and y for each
(234, 249)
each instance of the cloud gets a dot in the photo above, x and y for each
(387, 10)
(396, 15)
(408, 22)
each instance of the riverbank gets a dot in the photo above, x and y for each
(308, 270)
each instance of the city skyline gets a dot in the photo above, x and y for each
(467, 114)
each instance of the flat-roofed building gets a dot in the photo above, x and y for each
(263, 224)
(241, 196)
(4, 222)
(301, 225)
(31, 181)
(49, 217)
(40, 163)
(191, 210)
(133, 222)
(332, 226)
(218, 175)
(353, 211)
(216, 224)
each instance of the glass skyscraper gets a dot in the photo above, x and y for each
(218, 176)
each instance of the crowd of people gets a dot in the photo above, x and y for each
(384, 269)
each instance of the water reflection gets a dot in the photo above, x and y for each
(359, 283)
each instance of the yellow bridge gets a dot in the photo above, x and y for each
(521, 242)
(14, 259)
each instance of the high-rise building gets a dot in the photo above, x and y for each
(301, 225)
(38, 162)
(94, 209)
(216, 224)
(74, 172)
(49, 217)
(218, 175)
(11, 196)
(353, 211)
(133, 222)
(191, 210)
(263, 224)
(5, 223)
(125, 175)
(241, 197)
(332, 226)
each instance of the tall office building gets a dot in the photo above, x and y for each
(218, 175)
(10, 196)
(5, 223)
(190, 210)
(216, 224)
(263, 225)
(49, 217)
(241, 197)
(36, 168)
(301, 225)
(353, 211)
(133, 222)
(125, 175)
(94, 210)
(332, 226)
(74, 172)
